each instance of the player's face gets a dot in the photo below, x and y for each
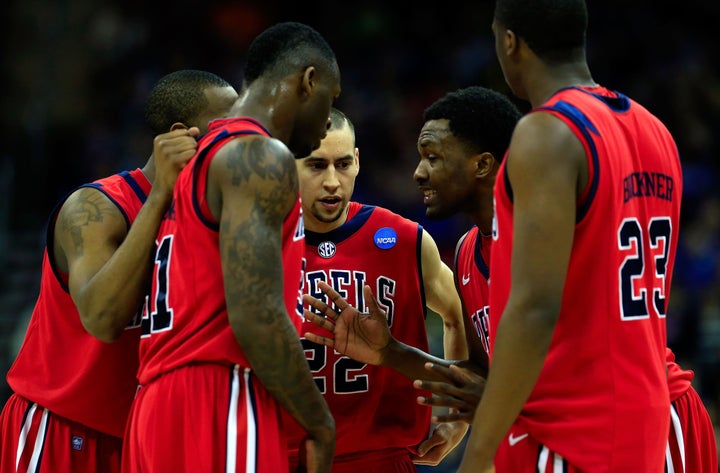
(220, 101)
(445, 173)
(312, 120)
(327, 179)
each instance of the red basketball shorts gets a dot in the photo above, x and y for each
(35, 440)
(521, 453)
(691, 446)
(204, 417)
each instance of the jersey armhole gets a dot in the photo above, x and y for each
(581, 127)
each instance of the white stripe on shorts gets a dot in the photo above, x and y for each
(39, 440)
(558, 465)
(677, 429)
(250, 427)
(251, 448)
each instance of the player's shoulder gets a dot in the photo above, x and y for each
(87, 196)
(254, 155)
(467, 237)
(393, 217)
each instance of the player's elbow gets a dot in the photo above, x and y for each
(453, 324)
(99, 325)
(543, 312)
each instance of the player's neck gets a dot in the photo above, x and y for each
(315, 225)
(550, 79)
(149, 169)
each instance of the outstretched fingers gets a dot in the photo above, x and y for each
(320, 306)
(319, 320)
(372, 303)
(334, 296)
(320, 340)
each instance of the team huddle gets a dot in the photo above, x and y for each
(229, 308)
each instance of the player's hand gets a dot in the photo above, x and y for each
(171, 152)
(364, 337)
(462, 393)
(316, 457)
(445, 437)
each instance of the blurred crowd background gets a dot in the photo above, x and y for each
(74, 76)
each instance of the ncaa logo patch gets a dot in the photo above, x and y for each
(77, 442)
(326, 249)
(385, 238)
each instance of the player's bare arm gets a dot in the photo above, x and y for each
(443, 298)
(257, 186)
(544, 220)
(108, 265)
(366, 337)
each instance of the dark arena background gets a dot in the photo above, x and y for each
(74, 75)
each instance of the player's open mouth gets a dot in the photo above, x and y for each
(330, 202)
(428, 195)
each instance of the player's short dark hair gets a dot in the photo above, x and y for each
(554, 29)
(480, 117)
(338, 120)
(285, 47)
(179, 97)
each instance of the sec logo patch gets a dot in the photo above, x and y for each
(326, 249)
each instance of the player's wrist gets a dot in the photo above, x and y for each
(160, 196)
(393, 353)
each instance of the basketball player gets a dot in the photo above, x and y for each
(72, 391)
(587, 208)
(692, 444)
(461, 144)
(220, 352)
(349, 245)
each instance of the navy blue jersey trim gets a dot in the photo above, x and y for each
(134, 186)
(619, 104)
(585, 126)
(418, 249)
(197, 165)
(508, 186)
(456, 259)
(122, 210)
(483, 267)
(344, 231)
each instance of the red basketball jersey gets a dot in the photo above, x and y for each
(60, 365)
(194, 328)
(602, 397)
(374, 407)
(472, 274)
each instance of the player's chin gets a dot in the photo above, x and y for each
(433, 212)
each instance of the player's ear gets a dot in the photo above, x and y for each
(485, 163)
(308, 81)
(357, 159)
(178, 126)
(510, 42)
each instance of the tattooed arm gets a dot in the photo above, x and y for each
(107, 265)
(252, 186)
